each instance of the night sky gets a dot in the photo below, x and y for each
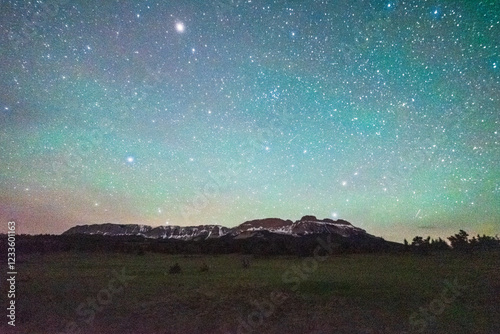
(382, 113)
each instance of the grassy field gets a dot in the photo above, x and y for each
(120, 293)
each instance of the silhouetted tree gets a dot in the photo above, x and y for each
(485, 242)
(421, 245)
(460, 241)
(439, 244)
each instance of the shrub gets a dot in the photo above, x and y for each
(204, 267)
(175, 269)
(245, 261)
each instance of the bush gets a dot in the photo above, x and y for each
(204, 267)
(175, 269)
(245, 261)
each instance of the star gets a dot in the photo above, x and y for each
(179, 26)
(436, 12)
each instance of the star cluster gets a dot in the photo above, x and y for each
(383, 113)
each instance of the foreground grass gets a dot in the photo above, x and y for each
(342, 294)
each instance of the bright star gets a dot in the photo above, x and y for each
(436, 12)
(179, 26)
(130, 159)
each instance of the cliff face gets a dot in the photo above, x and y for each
(304, 226)
(160, 232)
(307, 225)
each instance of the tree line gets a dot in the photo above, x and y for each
(461, 242)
